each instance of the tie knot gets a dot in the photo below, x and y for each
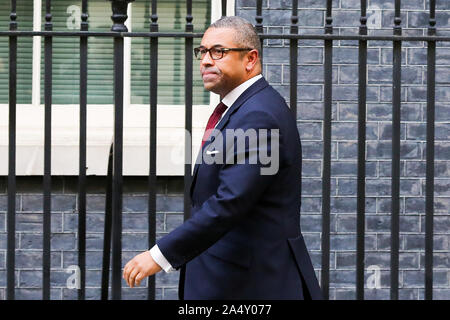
(213, 119)
(220, 108)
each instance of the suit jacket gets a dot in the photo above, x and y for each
(243, 238)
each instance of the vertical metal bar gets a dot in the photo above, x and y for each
(293, 51)
(188, 44)
(429, 211)
(188, 111)
(117, 169)
(224, 8)
(326, 168)
(259, 26)
(11, 219)
(82, 160)
(396, 106)
(361, 192)
(119, 16)
(152, 165)
(48, 43)
(107, 229)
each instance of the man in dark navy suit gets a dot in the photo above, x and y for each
(243, 238)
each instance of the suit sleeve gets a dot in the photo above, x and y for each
(240, 187)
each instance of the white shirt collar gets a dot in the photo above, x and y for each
(232, 96)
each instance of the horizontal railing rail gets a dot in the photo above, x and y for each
(199, 35)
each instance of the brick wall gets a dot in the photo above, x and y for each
(64, 242)
(344, 154)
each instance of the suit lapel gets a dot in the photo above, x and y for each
(253, 89)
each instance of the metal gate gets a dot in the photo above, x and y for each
(113, 219)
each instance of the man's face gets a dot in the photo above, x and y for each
(223, 75)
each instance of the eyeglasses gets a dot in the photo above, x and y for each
(216, 53)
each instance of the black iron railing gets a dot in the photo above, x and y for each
(113, 219)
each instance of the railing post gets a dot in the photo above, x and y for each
(326, 166)
(429, 201)
(107, 229)
(395, 189)
(11, 218)
(224, 8)
(188, 75)
(361, 188)
(152, 180)
(293, 58)
(82, 155)
(259, 27)
(47, 181)
(119, 9)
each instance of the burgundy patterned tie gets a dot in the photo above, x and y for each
(213, 119)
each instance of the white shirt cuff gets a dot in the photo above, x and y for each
(160, 259)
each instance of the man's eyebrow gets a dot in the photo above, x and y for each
(216, 45)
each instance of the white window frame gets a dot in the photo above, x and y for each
(65, 125)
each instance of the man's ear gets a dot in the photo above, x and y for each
(252, 59)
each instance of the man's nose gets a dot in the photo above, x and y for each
(207, 60)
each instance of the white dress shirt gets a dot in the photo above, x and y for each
(228, 100)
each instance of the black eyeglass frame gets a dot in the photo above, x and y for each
(219, 49)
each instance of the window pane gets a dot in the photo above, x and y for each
(100, 54)
(24, 52)
(66, 16)
(171, 18)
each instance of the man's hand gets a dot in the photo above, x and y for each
(139, 267)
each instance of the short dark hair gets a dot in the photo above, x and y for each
(246, 37)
